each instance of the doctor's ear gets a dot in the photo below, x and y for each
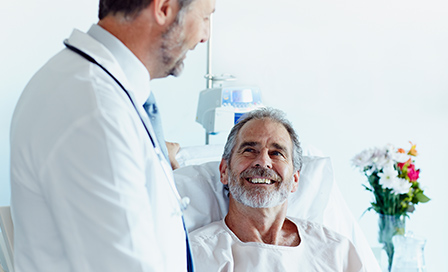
(165, 11)
(223, 171)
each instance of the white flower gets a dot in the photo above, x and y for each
(377, 153)
(401, 186)
(390, 167)
(363, 159)
(400, 157)
(380, 158)
(382, 162)
(369, 171)
(389, 179)
(388, 176)
(389, 148)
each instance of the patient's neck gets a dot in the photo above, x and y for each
(262, 225)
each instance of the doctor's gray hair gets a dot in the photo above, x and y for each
(260, 114)
(131, 8)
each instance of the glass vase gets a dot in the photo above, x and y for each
(389, 226)
(408, 253)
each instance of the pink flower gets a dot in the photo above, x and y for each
(412, 173)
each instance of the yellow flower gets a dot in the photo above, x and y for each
(412, 151)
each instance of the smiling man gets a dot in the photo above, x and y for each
(90, 190)
(261, 166)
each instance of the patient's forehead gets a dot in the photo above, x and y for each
(264, 132)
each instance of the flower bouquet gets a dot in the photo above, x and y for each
(393, 180)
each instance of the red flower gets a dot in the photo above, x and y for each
(412, 173)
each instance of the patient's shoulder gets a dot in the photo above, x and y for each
(318, 232)
(208, 233)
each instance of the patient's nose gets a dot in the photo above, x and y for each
(263, 160)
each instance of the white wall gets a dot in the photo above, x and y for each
(31, 32)
(350, 75)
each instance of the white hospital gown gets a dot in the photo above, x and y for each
(216, 248)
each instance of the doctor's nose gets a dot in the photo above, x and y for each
(206, 31)
(263, 160)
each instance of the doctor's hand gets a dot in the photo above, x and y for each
(173, 149)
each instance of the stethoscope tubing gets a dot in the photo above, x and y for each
(183, 202)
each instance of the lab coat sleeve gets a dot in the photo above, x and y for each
(94, 180)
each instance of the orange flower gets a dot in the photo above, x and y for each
(413, 151)
(401, 150)
(407, 163)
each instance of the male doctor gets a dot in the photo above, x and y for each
(90, 188)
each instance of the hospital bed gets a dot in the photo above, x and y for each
(6, 240)
(317, 199)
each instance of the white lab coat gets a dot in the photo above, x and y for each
(216, 248)
(88, 191)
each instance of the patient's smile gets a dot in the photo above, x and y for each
(260, 175)
(260, 180)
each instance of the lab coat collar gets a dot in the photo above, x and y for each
(111, 53)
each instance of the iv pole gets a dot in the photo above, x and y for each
(210, 78)
(209, 75)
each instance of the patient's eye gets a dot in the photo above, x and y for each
(276, 153)
(248, 149)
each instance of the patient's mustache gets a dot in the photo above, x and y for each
(261, 172)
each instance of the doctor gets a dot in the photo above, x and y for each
(90, 188)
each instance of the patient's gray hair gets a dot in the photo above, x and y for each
(259, 114)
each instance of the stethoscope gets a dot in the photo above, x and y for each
(183, 201)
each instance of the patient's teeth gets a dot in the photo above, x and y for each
(259, 180)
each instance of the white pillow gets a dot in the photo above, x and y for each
(195, 155)
(209, 201)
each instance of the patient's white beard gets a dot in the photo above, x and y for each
(258, 197)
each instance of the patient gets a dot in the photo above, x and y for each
(261, 167)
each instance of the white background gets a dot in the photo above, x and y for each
(350, 74)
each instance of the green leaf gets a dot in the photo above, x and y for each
(367, 188)
(420, 196)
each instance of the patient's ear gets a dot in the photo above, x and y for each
(223, 171)
(295, 182)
